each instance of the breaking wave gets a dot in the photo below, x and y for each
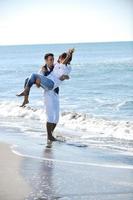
(87, 125)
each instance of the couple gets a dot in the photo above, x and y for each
(49, 78)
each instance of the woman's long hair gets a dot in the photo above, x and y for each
(63, 56)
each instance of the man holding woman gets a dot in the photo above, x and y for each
(51, 95)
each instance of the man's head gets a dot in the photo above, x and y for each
(49, 59)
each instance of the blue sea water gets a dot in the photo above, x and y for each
(101, 80)
(99, 92)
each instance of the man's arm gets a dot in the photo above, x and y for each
(64, 77)
(43, 70)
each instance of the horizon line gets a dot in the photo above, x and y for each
(61, 43)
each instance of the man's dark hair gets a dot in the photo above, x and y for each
(47, 55)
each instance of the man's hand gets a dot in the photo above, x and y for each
(43, 69)
(38, 83)
(64, 77)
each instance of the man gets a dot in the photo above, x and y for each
(51, 97)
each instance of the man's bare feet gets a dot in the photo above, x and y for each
(52, 138)
(38, 82)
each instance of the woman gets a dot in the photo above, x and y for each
(61, 70)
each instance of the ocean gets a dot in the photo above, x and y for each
(96, 104)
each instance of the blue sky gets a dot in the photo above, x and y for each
(63, 21)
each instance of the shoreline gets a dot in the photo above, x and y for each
(63, 172)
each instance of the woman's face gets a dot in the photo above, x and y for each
(61, 60)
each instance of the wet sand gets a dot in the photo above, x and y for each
(64, 172)
(12, 184)
(67, 172)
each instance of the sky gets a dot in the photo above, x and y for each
(65, 21)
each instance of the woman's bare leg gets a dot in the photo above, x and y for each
(38, 81)
(25, 92)
(26, 101)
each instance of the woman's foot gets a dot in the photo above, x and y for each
(26, 101)
(24, 92)
(21, 94)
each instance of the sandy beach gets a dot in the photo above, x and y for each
(65, 172)
(12, 184)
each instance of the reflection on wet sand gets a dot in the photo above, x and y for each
(52, 180)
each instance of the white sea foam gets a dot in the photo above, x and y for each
(104, 165)
(87, 126)
(115, 105)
